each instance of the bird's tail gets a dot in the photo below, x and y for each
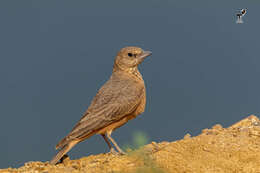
(62, 152)
(62, 143)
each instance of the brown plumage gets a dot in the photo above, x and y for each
(119, 100)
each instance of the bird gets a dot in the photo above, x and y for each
(120, 99)
(240, 14)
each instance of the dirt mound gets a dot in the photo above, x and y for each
(232, 149)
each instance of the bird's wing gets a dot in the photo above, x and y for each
(112, 102)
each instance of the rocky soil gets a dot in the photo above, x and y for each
(234, 149)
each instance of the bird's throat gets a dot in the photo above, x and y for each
(132, 71)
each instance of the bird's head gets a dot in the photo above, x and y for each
(130, 57)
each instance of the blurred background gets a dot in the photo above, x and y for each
(55, 54)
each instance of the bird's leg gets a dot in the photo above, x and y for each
(112, 150)
(114, 143)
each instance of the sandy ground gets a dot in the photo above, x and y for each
(234, 149)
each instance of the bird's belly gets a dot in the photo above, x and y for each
(116, 124)
(119, 123)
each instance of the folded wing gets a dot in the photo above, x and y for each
(113, 102)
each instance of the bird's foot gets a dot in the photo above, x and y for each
(113, 151)
(122, 152)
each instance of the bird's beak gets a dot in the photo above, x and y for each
(145, 54)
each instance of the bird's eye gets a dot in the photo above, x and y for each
(130, 54)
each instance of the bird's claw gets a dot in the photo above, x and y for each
(113, 151)
(122, 153)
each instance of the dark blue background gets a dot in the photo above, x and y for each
(54, 56)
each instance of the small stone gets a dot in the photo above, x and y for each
(217, 127)
(187, 136)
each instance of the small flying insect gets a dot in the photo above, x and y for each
(240, 15)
